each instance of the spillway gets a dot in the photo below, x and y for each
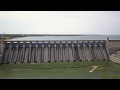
(54, 51)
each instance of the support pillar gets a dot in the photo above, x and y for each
(107, 45)
(2, 48)
(2, 45)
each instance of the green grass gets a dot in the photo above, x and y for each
(51, 65)
(60, 70)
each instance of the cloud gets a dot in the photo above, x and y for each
(60, 22)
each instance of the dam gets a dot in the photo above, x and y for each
(38, 51)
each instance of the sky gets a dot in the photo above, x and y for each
(60, 22)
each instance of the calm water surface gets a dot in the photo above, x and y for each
(97, 37)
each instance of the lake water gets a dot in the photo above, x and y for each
(96, 37)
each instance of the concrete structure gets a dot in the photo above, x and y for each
(53, 51)
(114, 45)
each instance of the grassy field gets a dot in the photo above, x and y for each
(61, 70)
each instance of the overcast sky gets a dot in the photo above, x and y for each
(60, 22)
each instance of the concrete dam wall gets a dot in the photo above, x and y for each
(113, 46)
(53, 51)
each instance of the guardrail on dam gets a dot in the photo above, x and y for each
(53, 51)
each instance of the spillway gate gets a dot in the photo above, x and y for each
(54, 51)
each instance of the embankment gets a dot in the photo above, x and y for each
(113, 46)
